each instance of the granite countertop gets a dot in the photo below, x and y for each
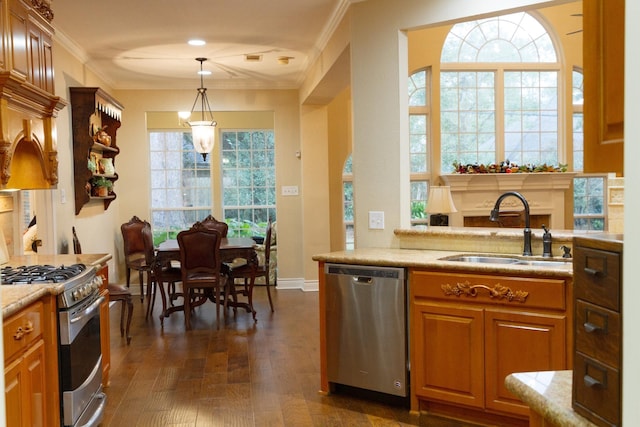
(433, 260)
(548, 393)
(15, 297)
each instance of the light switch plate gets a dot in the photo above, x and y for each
(289, 190)
(376, 220)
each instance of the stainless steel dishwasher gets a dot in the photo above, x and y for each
(366, 314)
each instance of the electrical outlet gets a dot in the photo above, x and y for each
(289, 190)
(376, 220)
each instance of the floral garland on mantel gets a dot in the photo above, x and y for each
(506, 167)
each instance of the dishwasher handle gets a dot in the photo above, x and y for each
(362, 280)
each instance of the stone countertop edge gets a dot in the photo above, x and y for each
(432, 259)
(547, 393)
(15, 297)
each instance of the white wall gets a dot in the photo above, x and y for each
(631, 290)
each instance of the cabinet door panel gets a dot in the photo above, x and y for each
(17, 411)
(34, 364)
(448, 347)
(520, 342)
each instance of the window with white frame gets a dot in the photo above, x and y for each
(499, 90)
(589, 190)
(419, 143)
(248, 180)
(347, 204)
(180, 183)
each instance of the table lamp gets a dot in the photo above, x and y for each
(439, 204)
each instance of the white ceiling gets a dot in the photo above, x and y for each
(142, 44)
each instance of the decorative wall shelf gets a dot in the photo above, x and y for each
(93, 110)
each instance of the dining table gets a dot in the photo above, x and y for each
(232, 250)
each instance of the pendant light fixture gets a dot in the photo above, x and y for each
(203, 130)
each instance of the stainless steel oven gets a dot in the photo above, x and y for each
(80, 355)
(82, 398)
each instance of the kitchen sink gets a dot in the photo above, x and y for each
(515, 260)
(481, 259)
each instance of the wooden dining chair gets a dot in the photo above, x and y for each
(245, 272)
(200, 263)
(158, 274)
(213, 224)
(118, 293)
(134, 255)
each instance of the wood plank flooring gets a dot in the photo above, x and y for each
(242, 374)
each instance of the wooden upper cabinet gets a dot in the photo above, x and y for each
(28, 49)
(603, 60)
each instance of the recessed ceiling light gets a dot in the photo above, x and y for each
(196, 42)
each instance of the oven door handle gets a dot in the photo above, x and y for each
(87, 313)
(71, 323)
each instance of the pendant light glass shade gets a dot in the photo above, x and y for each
(203, 131)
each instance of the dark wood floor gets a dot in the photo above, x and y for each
(242, 374)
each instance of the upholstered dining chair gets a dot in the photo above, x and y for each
(118, 293)
(211, 223)
(158, 274)
(245, 271)
(134, 255)
(200, 263)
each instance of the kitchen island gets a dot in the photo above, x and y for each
(13, 298)
(516, 317)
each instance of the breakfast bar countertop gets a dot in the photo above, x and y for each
(15, 297)
(548, 394)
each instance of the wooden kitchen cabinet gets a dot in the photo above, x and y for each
(105, 336)
(597, 371)
(29, 37)
(469, 331)
(93, 109)
(31, 368)
(603, 65)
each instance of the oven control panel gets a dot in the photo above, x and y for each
(83, 291)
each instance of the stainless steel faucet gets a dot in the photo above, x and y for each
(495, 216)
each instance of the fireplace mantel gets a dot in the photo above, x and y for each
(475, 194)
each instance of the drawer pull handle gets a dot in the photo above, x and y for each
(591, 271)
(590, 327)
(498, 291)
(590, 382)
(21, 332)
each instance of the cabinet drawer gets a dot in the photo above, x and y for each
(22, 329)
(598, 333)
(487, 289)
(596, 276)
(596, 391)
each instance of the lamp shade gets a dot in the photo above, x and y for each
(440, 201)
(203, 133)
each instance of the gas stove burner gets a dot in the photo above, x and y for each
(39, 274)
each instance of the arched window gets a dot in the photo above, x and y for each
(499, 93)
(420, 142)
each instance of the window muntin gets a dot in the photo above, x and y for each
(347, 204)
(517, 37)
(248, 180)
(419, 144)
(180, 184)
(589, 207)
(499, 86)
